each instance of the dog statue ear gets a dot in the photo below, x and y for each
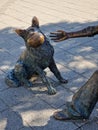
(20, 32)
(35, 22)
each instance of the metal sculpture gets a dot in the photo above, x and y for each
(61, 35)
(37, 56)
(85, 99)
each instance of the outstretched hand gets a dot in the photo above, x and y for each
(59, 35)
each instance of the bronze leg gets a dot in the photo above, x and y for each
(83, 101)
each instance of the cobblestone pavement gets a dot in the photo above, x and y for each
(31, 108)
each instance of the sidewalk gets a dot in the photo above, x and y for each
(32, 108)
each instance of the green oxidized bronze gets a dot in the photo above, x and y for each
(37, 56)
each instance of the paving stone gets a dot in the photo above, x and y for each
(93, 57)
(75, 62)
(70, 44)
(89, 73)
(39, 116)
(54, 124)
(10, 41)
(16, 50)
(7, 32)
(2, 81)
(33, 111)
(93, 44)
(76, 83)
(65, 72)
(10, 120)
(82, 50)
(25, 107)
(66, 57)
(92, 125)
(57, 50)
(26, 128)
(7, 61)
(12, 47)
(77, 59)
(59, 98)
(15, 23)
(3, 106)
(94, 112)
(81, 64)
(14, 96)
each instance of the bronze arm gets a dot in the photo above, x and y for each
(86, 32)
(61, 35)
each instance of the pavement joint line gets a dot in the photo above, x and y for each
(83, 22)
(54, 9)
(5, 6)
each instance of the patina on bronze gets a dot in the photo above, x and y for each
(82, 102)
(37, 56)
(61, 35)
(85, 99)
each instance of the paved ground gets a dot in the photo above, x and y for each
(32, 109)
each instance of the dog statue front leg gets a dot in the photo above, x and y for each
(46, 81)
(53, 68)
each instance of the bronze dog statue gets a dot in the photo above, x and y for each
(37, 56)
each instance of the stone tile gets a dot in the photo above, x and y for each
(3, 86)
(63, 57)
(7, 44)
(92, 125)
(89, 73)
(75, 83)
(65, 72)
(15, 14)
(81, 64)
(70, 44)
(14, 96)
(12, 46)
(94, 112)
(7, 32)
(85, 123)
(10, 120)
(17, 50)
(76, 62)
(7, 61)
(79, 55)
(57, 50)
(12, 42)
(26, 128)
(82, 50)
(93, 57)
(54, 124)
(24, 108)
(93, 44)
(39, 116)
(3, 106)
(15, 23)
(31, 111)
(59, 98)
(67, 45)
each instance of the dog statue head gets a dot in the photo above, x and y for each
(32, 35)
